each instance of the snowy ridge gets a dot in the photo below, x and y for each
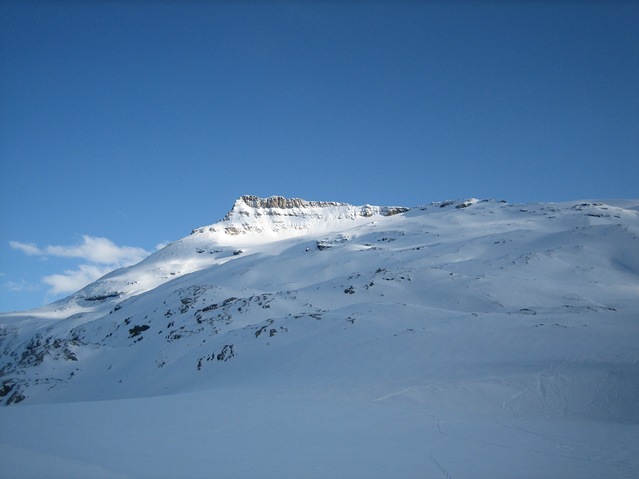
(290, 216)
(257, 221)
(469, 327)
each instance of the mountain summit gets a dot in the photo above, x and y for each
(433, 327)
(276, 214)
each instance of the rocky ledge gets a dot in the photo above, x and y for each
(282, 203)
(248, 212)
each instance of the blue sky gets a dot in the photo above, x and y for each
(124, 125)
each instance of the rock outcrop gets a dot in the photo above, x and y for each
(252, 214)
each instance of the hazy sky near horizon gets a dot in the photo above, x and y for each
(124, 125)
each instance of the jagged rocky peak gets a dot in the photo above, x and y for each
(276, 213)
(249, 205)
(284, 203)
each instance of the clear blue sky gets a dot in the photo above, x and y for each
(131, 123)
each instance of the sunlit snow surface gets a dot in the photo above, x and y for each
(462, 339)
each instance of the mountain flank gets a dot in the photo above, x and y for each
(538, 300)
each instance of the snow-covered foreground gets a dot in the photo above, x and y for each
(293, 339)
(418, 431)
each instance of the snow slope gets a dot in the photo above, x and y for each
(319, 339)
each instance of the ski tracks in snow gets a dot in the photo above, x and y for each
(438, 464)
(432, 458)
(403, 391)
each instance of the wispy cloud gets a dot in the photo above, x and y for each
(161, 245)
(100, 254)
(27, 248)
(20, 286)
(93, 249)
(74, 279)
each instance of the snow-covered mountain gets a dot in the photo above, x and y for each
(410, 337)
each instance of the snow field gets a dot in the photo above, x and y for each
(489, 340)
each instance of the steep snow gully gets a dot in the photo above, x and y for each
(295, 338)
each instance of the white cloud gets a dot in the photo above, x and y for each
(161, 245)
(74, 279)
(92, 248)
(27, 248)
(20, 286)
(101, 254)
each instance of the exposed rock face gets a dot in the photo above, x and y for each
(274, 203)
(252, 214)
(283, 203)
